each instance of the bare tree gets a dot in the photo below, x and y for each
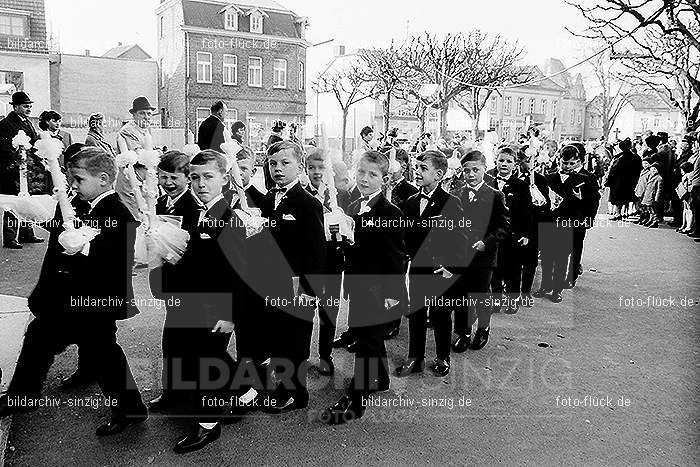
(496, 66)
(613, 92)
(350, 85)
(658, 37)
(386, 68)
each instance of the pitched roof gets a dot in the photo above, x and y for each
(119, 51)
(648, 101)
(206, 15)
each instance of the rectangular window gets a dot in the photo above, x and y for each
(230, 70)
(255, 72)
(231, 20)
(13, 25)
(506, 105)
(279, 67)
(161, 26)
(543, 107)
(302, 76)
(554, 109)
(519, 108)
(493, 105)
(203, 67)
(573, 116)
(256, 23)
(656, 122)
(645, 123)
(531, 108)
(579, 117)
(162, 73)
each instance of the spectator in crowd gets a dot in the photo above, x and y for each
(96, 136)
(210, 134)
(50, 121)
(622, 179)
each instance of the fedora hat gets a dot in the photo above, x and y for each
(141, 103)
(19, 98)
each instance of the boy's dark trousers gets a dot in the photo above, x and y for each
(509, 268)
(328, 315)
(577, 252)
(529, 258)
(46, 337)
(427, 287)
(473, 285)
(557, 245)
(209, 365)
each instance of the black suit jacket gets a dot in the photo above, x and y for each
(435, 237)
(486, 217)
(375, 267)
(401, 192)
(591, 196)
(208, 278)
(104, 274)
(210, 134)
(570, 208)
(297, 243)
(519, 204)
(255, 197)
(186, 206)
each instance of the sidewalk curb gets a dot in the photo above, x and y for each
(13, 310)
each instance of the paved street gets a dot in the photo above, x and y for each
(643, 359)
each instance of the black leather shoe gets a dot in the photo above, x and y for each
(461, 344)
(440, 367)
(556, 297)
(540, 293)
(282, 400)
(412, 365)
(33, 239)
(196, 440)
(160, 403)
(343, 411)
(78, 378)
(13, 245)
(579, 270)
(480, 339)
(392, 332)
(119, 424)
(344, 340)
(352, 347)
(326, 366)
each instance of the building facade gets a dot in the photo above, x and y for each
(249, 54)
(24, 53)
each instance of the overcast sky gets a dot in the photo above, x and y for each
(538, 25)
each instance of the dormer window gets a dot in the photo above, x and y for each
(256, 20)
(231, 19)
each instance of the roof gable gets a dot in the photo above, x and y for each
(129, 51)
(279, 22)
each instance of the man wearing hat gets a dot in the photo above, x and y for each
(37, 178)
(133, 134)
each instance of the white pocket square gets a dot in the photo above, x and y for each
(204, 236)
(288, 217)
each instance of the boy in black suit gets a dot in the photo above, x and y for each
(295, 262)
(568, 189)
(178, 200)
(541, 214)
(246, 166)
(486, 214)
(208, 282)
(374, 280)
(510, 251)
(335, 264)
(436, 245)
(79, 298)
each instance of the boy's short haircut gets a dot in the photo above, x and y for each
(366, 130)
(245, 153)
(376, 157)
(95, 161)
(508, 151)
(473, 156)
(340, 168)
(175, 162)
(568, 152)
(209, 155)
(72, 150)
(401, 156)
(316, 154)
(687, 167)
(581, 150)
(284, 145)
(436, 158)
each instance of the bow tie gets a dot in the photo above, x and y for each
(277, 190)
(424, 196)
(504, 179)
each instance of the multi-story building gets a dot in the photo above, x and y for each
(251, 54)
(570, 123)
(24, 52)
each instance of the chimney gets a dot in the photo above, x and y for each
(87, 52)
(338, 50)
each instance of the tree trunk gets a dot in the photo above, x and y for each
(343, 132)
(476, 113)
(387, 115)
(443, 122)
